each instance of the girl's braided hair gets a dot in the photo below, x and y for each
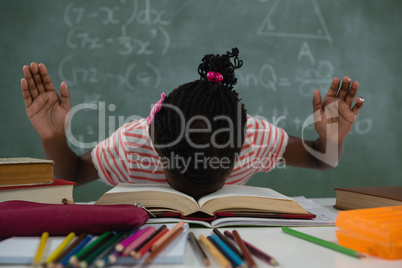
(205, 119)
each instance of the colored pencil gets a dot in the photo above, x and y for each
(166, 236)
(255, 251)
(94, 255)
(228, 243)
(41, 248)
(63, 262)
(144, 236)
(244, 249)
(234, 259)
(123, 244)
(70, 247)
(222, 261)
(132, 252)
(165, 244)
(198, 249)
(103, 258)
(60, 248)
(97, 246)
(112, 258)
(65, 201)
(74, 260)
(147, 247)
(323, 243)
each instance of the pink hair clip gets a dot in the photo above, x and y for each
(155, 109)
(214, 77)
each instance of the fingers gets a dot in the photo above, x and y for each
(47, 82)
(30, 81)
(317, 105)
(352, 93)
(358, 105)
(65, 97)
(347, 91)
(37, 77)
(333, 89)
(344, 88)
(25, 93)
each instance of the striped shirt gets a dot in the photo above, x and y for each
(128, 155)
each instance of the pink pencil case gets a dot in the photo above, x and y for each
(23, 218)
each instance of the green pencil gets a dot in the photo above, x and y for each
(323, 243)
(81, 254)
(94, 255)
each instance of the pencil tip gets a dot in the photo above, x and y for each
(359, 255)
(274, 262)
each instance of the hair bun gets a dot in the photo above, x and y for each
(221, 64)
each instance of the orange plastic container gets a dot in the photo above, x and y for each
(375, 231)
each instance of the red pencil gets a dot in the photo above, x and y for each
(143, 250)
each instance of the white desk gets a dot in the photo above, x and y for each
(291, 251)
(288, 250)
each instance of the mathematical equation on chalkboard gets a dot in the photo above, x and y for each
(134, 76)
(106, 27)
(141, 28)
(148, 33)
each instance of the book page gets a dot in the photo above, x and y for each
(24, 160)
(131, 187)
(176, 220)
(324, 217)
(322, 214)
(242, 190)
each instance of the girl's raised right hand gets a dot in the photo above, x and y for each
(47, 111)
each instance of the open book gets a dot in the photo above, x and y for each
(234, 200)
(321, 217)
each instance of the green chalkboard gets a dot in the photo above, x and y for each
(118, 56)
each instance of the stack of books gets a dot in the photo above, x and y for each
(31, 179)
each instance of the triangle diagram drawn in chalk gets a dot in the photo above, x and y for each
(294, 19)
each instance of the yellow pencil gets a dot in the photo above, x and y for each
(41, 248)
(222, 261)
(60, 248)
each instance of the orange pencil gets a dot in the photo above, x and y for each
(142, 251)
(162, 246)
(167, 235)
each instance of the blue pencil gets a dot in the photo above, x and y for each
(66, 258)
(226, 251)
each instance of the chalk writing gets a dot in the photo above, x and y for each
(306, 52)
(146, 75)
(316, 77)
(277, 22)
(148, 34)
(266, 78)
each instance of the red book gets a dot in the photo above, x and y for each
(52, 193)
